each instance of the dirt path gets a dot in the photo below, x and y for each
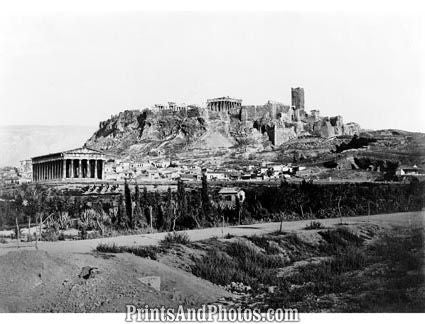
(85, 246)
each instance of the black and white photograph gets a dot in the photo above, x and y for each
(191, 162)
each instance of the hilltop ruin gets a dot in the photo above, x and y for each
(223, 122)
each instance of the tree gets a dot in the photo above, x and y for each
(205, 198)
(170, 210)
(160, 218)
(181, 199)
(128, 205)
(120, 220)
(137, 212)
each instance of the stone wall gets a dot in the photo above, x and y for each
(279, 134)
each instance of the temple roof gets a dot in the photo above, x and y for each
(74, 152)
(224, 99)
(83, 150)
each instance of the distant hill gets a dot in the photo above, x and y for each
(25, 141)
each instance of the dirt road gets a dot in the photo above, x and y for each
(85, 246)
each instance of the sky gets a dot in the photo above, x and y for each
(81, 68)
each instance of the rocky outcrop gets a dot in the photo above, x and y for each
(334, 126)
(140, 133)
(148, 130)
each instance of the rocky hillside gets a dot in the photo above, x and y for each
(146, 132)
(136, 134)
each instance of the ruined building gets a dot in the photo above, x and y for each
(282, 122)
(170, 106)
(224, 104)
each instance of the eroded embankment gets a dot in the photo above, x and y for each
(347, 268)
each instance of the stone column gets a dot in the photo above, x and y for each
(87, 168)
(71, 169)
(95, 169)
(79, 169)
(63, 170)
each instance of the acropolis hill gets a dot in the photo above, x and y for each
(224, 123)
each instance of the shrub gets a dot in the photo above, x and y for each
(340, 238)
(176, 238)
(109, 248)
(240, 262)
(50, 235)
(314, 225)
(217, 267)
(141, 251)
(3, 240)
(351, 258)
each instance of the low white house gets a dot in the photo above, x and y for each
(217, 176)
(406, 170)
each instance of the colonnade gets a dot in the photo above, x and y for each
(223, 105)
(68, 169)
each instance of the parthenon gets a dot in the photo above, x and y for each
(77, 164)
(223, 104)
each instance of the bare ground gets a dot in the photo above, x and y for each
(36, 281)
(48, 280)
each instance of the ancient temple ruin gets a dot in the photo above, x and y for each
(224, 104)
(78, 164)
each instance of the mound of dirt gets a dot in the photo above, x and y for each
(35, 281)
(24, 272)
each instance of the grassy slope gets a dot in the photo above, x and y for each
(356, 268)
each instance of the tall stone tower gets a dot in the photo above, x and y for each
(297, 97)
